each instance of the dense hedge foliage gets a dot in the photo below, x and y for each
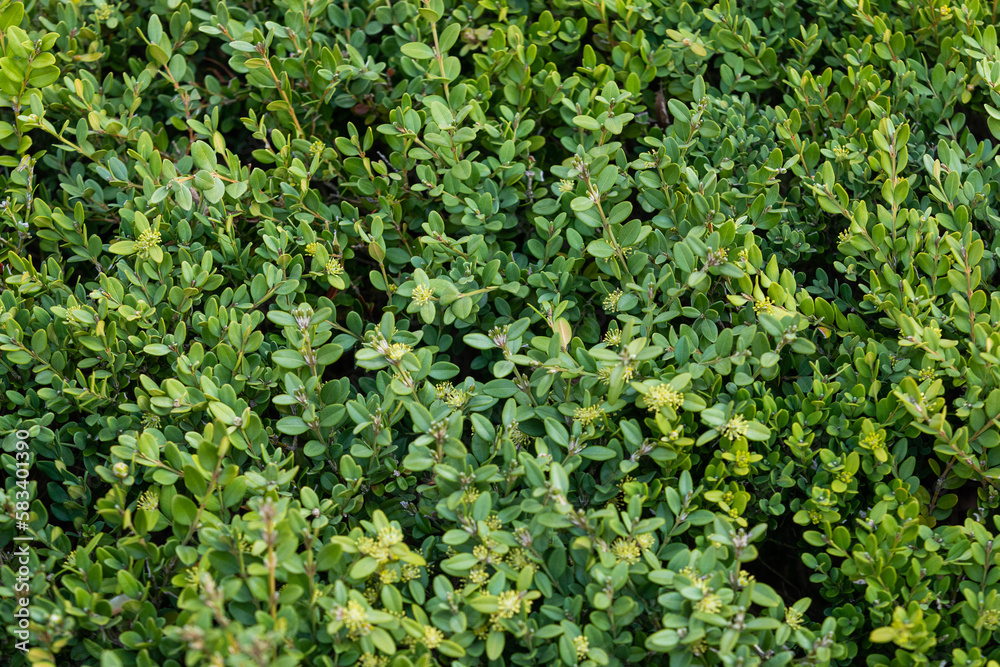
(501, 332)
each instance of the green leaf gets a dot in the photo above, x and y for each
(417, 50)
(764, 595)
(882, 635)
(204, 156)
(495, 642)
(12, 15)
(292, 425)
(757, 431)
(363, 568)
(383, 641)
(122, 247)
(451, 649)
(288, 359)
(328, 556)
(183, 511)
(478, 341)
(43, 76)
(587, 123)
(155, 30)
(600, 249)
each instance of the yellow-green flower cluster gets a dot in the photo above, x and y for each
(582, 646)
(710, 604)
(380, 547)
(478, 575)
(700, 581)
(663, 396)
(716, 257)
(148, 240)
(192, 576)
(764, 305)
(372, 660)
(588, 415)
(626, 551)
(841, 153)
(397, 351)
(104, 12)
(148, 501)
(354, 617)
(333, 267)
(735, 428)
(517, 558)
(447, 392)
(432, 637)
(482, 552)
(874, 440)
(508, 604)
(518, 437)
(422, 294)
(793, 618)
(373, 549)
(390, 536)
(457, 398)
(611, 301)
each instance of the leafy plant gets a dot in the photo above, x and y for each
(418, 332)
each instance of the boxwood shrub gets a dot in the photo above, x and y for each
(401, 333)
